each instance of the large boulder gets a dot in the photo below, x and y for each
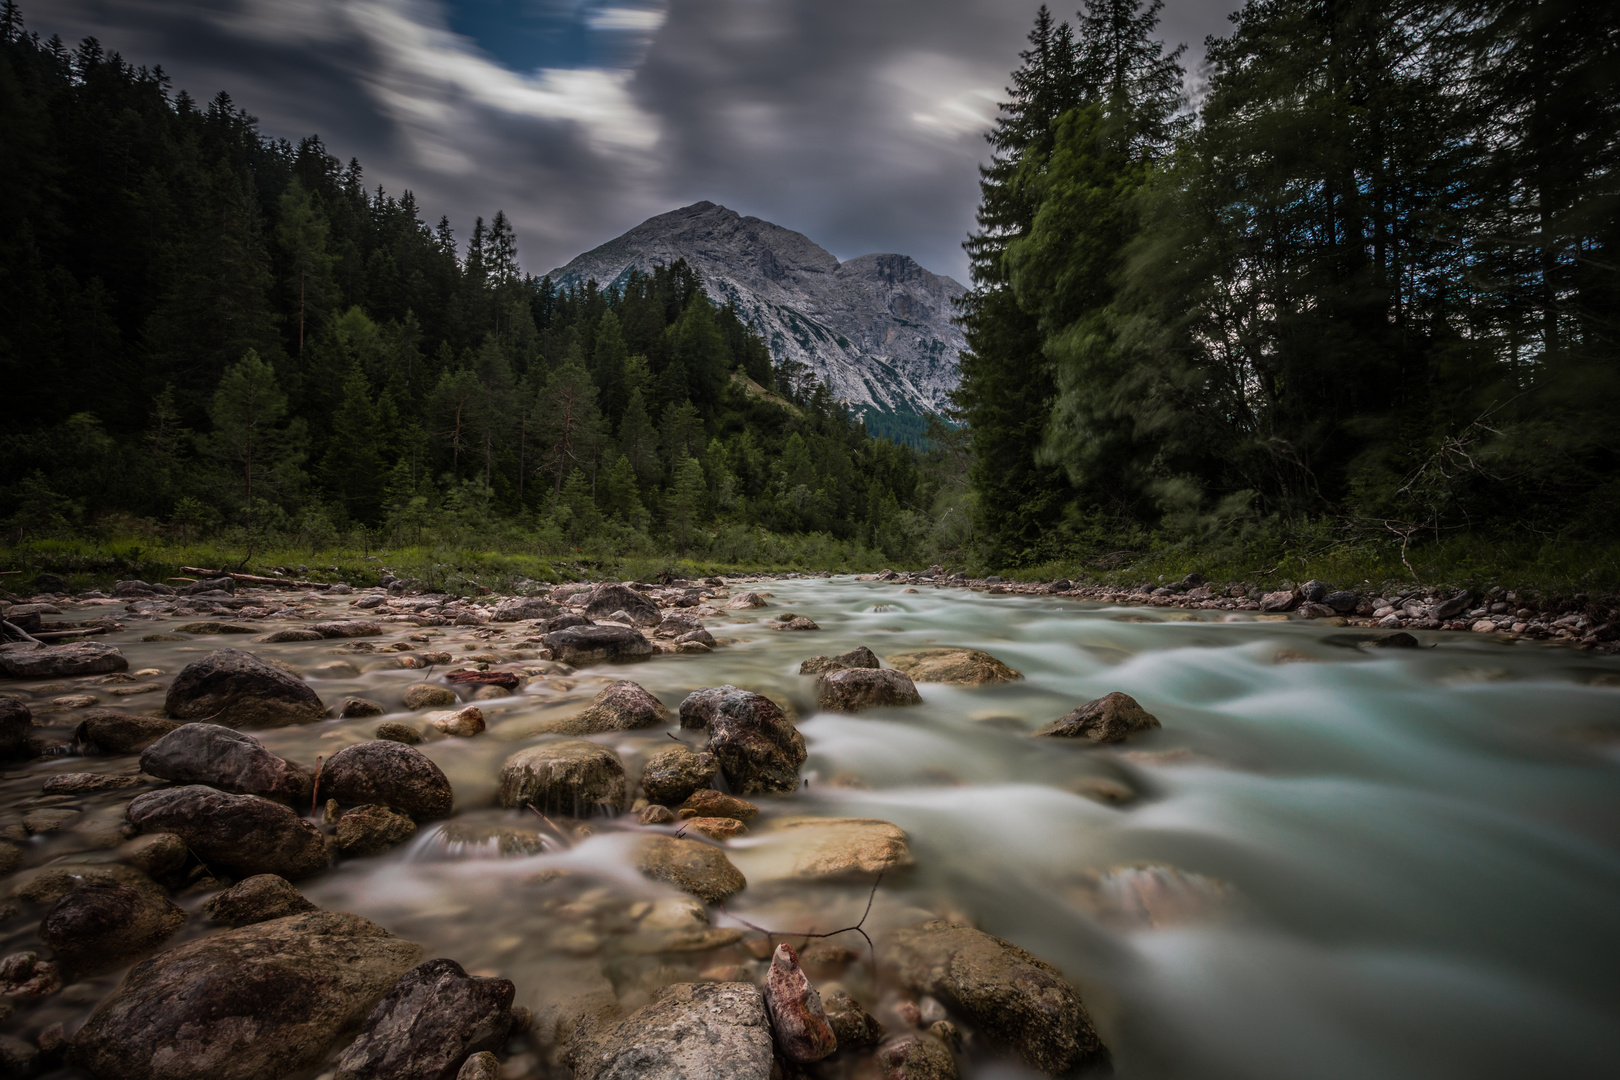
(258, 1003)
(621, 706)
(691, 866)
(757, 746)
(238, 689)
(16, 719)
(32, 660)
(229, 760)
(239, 834)
(569, 777)
(858, 657)
(114, 732)
(963, 667)
(391, 774)
(257, 899)
(1110, 719)
(582, 645)
(674, 773)
(856, 689)
(688, 1030)
(605, 600)
(100, 924)
(433, 1020)
(520, 608)
(1012, 998)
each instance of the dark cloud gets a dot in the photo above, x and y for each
(857, 122)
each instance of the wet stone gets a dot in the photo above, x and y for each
(400, 733)
(802, 1031)
(688, 1030)
(858, 657)
(758, 747)
(237, 689)
(1112, 718)
(433, 1020)
(101, 924)
(389, 774)
(856, 689)
(676, 772)
(461, 724)
(121, 733)
(429, 696)
(240, 834)
(620, 706)
(852, 1025)
(962, 667)
(357, 708)
(690, 865)
(916, 1057)
(228, 760)
(569, 777)
(711, 803)
(371, 830)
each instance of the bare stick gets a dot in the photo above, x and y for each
(859, 928)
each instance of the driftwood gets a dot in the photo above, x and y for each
(254, 579)
(13, 631)
(54, 635)
(506, 680)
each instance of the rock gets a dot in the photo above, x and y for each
(858, 657)
(238, 689)
(1011, 997)
(228, 760)
(257, 1003)
(584, 645)
(290, 634)
(503, 680)
(654, 814)
(821, 848)
(605, 600)
(916, 1057)
(1457, 605)
(758, 748)
(1343, 602)
(433, 1019)
(463, 723)
(715, 828)
(30, 660)
(687, 1032)
(49, 819)
(566, 621)
(24, 975)
(481, 1066)
(802, 1031)
(852, 1025)
(520, 608)
(621, 706)
(1400, 640)
(570, 777)
(856, 689)
(155, 854)
(1314, 592)
(120, 733)
(18, 1058)
(400, 733)
(371, 830)
(708, 802)
(965, 667)
(746, 600)
(15, 721)
(798, 622)
(80, 783)
(210, 628)
(1316, 611)
(50, 583)
(1109, 719)
(389, 774)
(256, 899)
(429, 696)
(346, 628)
(699, 636)
(137, 587)
(676, 772)
(101, 924)
(691, 866)
(357, 708)
(493, 839)
(240, 834)
(1285, 600)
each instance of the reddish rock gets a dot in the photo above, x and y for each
(802, 1031)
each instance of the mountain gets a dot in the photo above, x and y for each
(877, 328)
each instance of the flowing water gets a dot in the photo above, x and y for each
(1330, 862)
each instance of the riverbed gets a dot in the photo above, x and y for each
(1331, 860)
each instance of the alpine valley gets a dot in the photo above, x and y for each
(877, 328)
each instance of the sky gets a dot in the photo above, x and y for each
(856, 122)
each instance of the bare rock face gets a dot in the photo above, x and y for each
(102, 923)
(1011, 997)
(570, 777)
(962, 667)
(257, 899)
(858, 657)
(673, 774)
(857, 689)
(621, 706)
(240, 834)
(371, 830)
(691, 866)
(1110, 719)
(258, 1003)
(802, 1031)
(390, 774)
(688, 1030)
(237, 689)
(30, 660)
(433, 1020)
(583, 645)
(228, 760)
(605, 600)
(758, 747)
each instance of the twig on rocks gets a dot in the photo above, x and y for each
(859, 928)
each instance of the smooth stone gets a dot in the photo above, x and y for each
(675, 772)
(605, 600)
(261, 1002)
(758, 747)
(802, 1031)
(257, 899)
(621, 706)
(394, 731)
(1109, 719)
(357, 708)
(689, 1031)
(29, 660)
(155, 854)
(433, 1020)
(238, 689)
(228, 760)
(462, 724)
(371, 830)
(584, 645)
(856, 689)
(1012, 998)
(389, 774)
(963, 667)
(572, 777)
(707, 802)
(101, 924)
(240, 834)
(691, 866)
(121, 733)
(820, 848)
(429, 696)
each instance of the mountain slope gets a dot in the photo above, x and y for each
(877, 327)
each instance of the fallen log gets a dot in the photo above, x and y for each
(254, 579)
(13, 631)
(56, 635)
(506, 680)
